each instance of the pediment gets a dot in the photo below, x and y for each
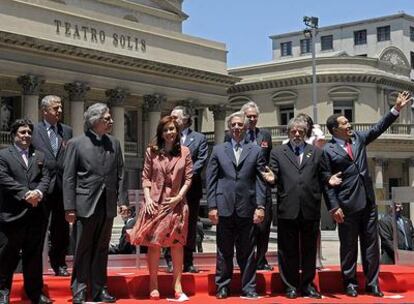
(236, 102)
(394, 56)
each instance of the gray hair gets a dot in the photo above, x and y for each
(248, 105)
(186, 111)
(237, 114)
(47, 101)
(297, 122)
(94, 113)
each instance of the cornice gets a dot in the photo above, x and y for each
(326, 78)
(60, 50)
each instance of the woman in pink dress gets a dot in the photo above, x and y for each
(163, 218)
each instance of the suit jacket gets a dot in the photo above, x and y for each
(154, 173)
(299, 187)
(54, 164)
(356, 188)
(263, 139)
(92, 168)
(197, 143)
(386, 233)
(16, 179)
(232, 187)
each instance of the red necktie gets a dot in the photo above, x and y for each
(348, 148)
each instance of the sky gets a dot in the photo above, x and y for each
(245, 25)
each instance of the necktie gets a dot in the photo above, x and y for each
(297, 153)
(252, 136)
(237, 152)
(348, 148)
(53, 140)
(25, 158)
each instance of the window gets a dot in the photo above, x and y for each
(383, 33)
(360, 37)
(344, 108)
(286, 48)
(286, 114)
(412, 60)
(411, 33)
(305, 46)
(326, 42)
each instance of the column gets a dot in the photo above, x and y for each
(116, 100)
(77, 96)
(411, 183)
(30, 96)
(219, 113)
(379, 174)
(152, 109)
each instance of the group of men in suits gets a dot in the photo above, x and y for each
(237, 185)
(31, 191)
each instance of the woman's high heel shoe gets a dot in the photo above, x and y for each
(181, 297)
(154, 294)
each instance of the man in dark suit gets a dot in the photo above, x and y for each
(352, 203)
(236, 196)
(50, 136)
(94, 184)
(405, 233)
(24, 181)
(299, 171)
(197, 143)
(263, 139)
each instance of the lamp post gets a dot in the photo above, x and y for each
(311, 31)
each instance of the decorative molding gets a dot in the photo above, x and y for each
(284, 97)
(30, 84)
(330, 78)
(394, 56)
(153, 103)
(219, 111)
(101, 58)
(236, 102)
(116, 97)
(77, 90)
(343, 93)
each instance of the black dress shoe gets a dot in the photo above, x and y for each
(191, 269)
(80, 297)
(61, 271)
(351, 291)
(265, 267)
(251, 295)
(311, 292)
(222, 293)
(291, 293)
(374, 291)
(169, 267)
(43, 300)
(4, 296)
(105, 297)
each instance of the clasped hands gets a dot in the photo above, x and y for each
(258, 216)
(169, 204)
(33, 197)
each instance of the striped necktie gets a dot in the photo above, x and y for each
(53, 140)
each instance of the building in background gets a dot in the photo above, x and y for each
(360, 68)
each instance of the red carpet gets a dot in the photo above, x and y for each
(131, 285)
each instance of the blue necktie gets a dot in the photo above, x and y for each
(53, 140)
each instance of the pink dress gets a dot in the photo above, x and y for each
(165, 175)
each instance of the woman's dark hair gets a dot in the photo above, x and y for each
(308, 121)
(158, 144)
(21, 122)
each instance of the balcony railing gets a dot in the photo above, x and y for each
(394, 131)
